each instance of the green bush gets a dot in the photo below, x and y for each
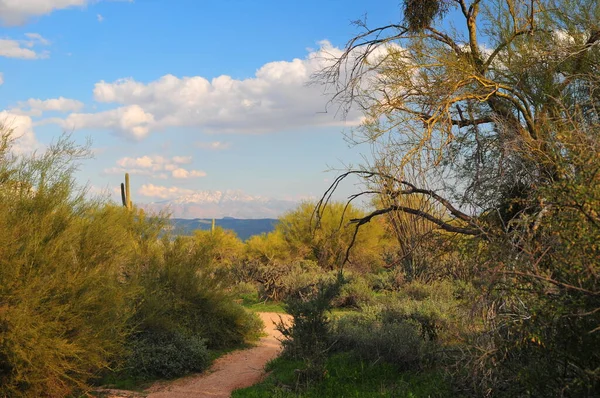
(307, 338)
(375, 336)
(166, 355)
(84, 283)
(355, 293)
(180, 293)
(64, 305)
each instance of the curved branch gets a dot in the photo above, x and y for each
(442, 224)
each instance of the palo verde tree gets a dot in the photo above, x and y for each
(495, 105)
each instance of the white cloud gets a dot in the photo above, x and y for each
(17, 12)
(182, 159)
(12, 49)
(23, 49)
(156, 191)
(156, 166)
(130, 121)
(277, 98)
(36, 38)
(100, 18)
(1, 78)
(154, 163)
(36, 107)
(22, 131)
(184, 174)
(214, 145)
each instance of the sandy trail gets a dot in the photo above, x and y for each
(235, 370)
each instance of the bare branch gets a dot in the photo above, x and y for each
(442, 224)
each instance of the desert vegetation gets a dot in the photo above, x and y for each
(482, 120)
(471, 270)
(90, 290)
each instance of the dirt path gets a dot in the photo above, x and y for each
(238, 369)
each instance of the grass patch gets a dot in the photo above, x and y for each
(253, 303)
(346, 376)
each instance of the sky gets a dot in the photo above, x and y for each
(186, 95)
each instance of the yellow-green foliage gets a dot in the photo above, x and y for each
(85, 285)
(326, 240)
(218, 246)
(63, 310)
(181, 293)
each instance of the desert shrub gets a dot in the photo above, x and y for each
(220, 251)
(277, 280)
(246, 291)
(375, 335)
(408, 326)
(165, 355)
(355, 293)
(442, 310)
(388, 280)
(179, 293)
(307, 338)
(64, 305)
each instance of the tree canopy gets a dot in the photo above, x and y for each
(483, 120)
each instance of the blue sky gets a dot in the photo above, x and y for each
(185, 95)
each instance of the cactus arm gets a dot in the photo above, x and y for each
(127, 192)
(123, 197)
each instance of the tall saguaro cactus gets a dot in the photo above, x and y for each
(126, 193)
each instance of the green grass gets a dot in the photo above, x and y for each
(339, 312)
(252, 302)
(346, 376)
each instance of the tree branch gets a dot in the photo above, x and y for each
(442, 224)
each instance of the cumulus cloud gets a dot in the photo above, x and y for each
(22, 131)
(130, 121)
(277, 98)
(36, 107)
(161, 192)
(17, 12)
(23, 49)
(14, 49)
(156, 166)
(214, 145)
(184, 174)
(100, 18)
(1, 78)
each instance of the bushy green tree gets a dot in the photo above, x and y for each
(494, 120)
(64, 310)
(325, 236)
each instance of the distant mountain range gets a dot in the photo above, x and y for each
(243, 228)
(220, 204)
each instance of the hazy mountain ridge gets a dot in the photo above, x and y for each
(243, 228)
(220, 204)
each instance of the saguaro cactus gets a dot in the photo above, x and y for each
(126, 193)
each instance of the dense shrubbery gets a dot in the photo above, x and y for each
(165, 354)
(374, 336)
(86, 286)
